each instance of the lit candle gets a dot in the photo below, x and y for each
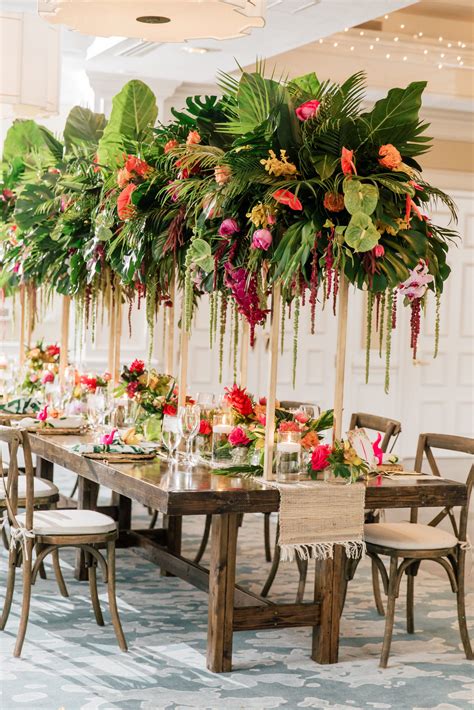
(288, 447)
(222, 428)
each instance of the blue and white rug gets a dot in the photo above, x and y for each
(70, 663)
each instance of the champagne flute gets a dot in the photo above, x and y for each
(189, 418)
(171, 436)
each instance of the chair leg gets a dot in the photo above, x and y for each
(58, 574)
(266, 536)
(273, 570)
(410, 603)
(112, 598)
(25, 605)
(303, 570)
(154, 518)
(94, 595)
(390, 615)
(376, 590)
(461, 603)
(6, 542)
(9, 590)
(205, 539)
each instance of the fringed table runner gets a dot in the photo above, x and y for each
(315, 516)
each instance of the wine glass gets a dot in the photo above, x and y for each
(206, 400)
(171, 436)
(93, 413)
(189, 418)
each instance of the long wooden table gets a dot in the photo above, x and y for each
(177, 493)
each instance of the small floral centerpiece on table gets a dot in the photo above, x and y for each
(42, 365)
(340, 460)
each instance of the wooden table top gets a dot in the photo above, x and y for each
(180, 491)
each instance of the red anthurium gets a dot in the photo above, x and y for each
(285, 197)
(347, 162)
(125, 208)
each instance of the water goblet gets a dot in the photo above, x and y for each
(171, 436)
(189, 418)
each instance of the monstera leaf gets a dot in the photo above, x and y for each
(83, 126)
(361, 233)
(360, 197)
(133, 116)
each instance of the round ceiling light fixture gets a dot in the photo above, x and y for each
(157, 20)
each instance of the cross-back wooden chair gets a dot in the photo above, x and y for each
(390, 428)
(47, 531)
(408, 544)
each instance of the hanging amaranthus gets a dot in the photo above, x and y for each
(188, 288)
(212, 297)
(313, 294)
(282, 329)
(394, 309)
(236, 339)
(415, 324)
(437, 323)
(382, 321)
(223, 318)
(388, 340)
(368, 337)
(335, 290)
(296, 323)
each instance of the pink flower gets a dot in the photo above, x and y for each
(347, 162)
(379, 250)
(320, 457)
(238, 437)
(193, 138)
(43, 414)
(289, 426)
(205, 428)
(301, 417)
(47, 377)
(262, 238)
(308, 109)
(222, 174)
(416, 284)
(285, 197)
(228, 226)
(108, 439)
(173, 143)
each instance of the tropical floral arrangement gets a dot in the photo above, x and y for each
(154, 393)
(91, 382)
(41, 366)
(340, 458)
(274, 182)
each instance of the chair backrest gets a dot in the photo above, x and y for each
(16, 438)
(446, 442)
(390, 428)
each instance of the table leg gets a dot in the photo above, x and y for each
(124, 505)
(86, 500)
(221, 592)
(44, 468)
(174, 528)
(328, 586)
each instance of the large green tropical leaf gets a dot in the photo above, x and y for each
(399, 108)
(28, 138)
(258, 99)
(83, 126)
(133, 116)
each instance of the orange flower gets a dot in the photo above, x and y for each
(333, 201)
(389, 157)
(138, 166)
(125, 208)
(310, 440)
(123, 177)
(347, 162)
(193, 138)
(285, 197)
(222, 174)
(173, 143)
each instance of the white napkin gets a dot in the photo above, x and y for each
(71, 422)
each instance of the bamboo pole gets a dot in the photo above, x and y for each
(112, 326)
(118, 335)
(22, 324)
(64, 343)
(244, 352)
(272, 382)
(169, 359)
(343, 298)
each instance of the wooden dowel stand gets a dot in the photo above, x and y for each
(22, 325)
(272, 382)
(183, 365)
(64, 343)
(244, 352)
(169, 315)
(112, 326)
(118, 336)
(341, 347)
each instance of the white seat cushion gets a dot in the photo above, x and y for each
(70, 522)
(408, 536)
(42, 488)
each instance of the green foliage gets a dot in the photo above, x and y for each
(361, 233)
(360, 197)
(83, 126)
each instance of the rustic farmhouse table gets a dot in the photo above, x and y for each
(178, 492)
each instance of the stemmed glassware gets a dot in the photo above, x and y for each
(171, 436)
(189, 418)
(99, 406)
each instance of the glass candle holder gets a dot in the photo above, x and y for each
(221, 428)
(288, 456)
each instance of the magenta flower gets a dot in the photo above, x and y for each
(308, 109)
(228, 226)
(379, 250)
(262, 238)
(238, 437)
(416, 284)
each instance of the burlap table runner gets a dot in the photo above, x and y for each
(315, 516)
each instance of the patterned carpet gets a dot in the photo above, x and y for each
(70, 663)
